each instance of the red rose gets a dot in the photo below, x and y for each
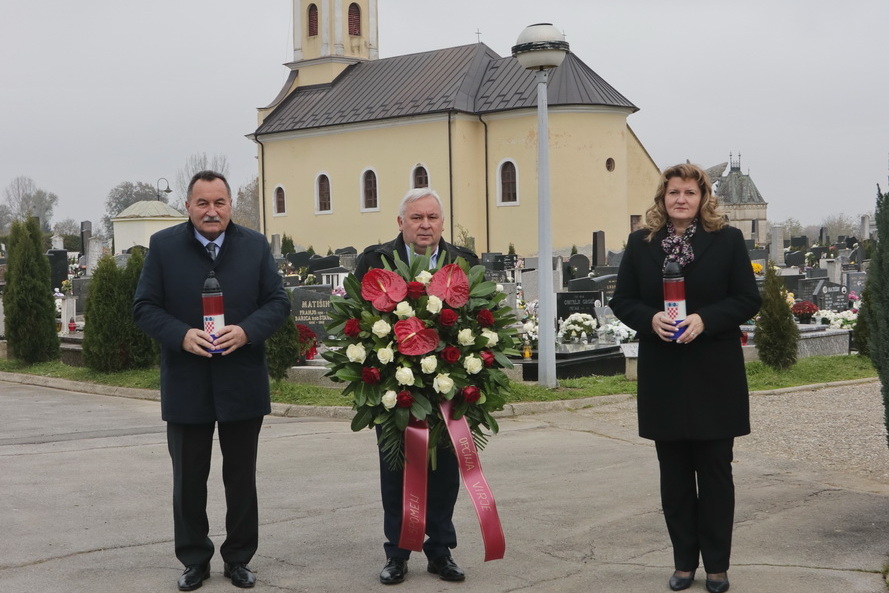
(415, 290)
(471, 393)
(404, 399)
(450, 354)
(370, 375)
(448, 317)
(485, 318)
(353, 328)
(487, 357)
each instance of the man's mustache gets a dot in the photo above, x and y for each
(211, 219)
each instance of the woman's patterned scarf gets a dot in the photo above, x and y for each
(678, 248)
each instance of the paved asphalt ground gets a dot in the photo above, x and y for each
(85, 500)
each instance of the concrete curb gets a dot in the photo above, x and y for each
(345, 412)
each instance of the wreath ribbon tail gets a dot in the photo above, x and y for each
(413, 508)
(475, 483)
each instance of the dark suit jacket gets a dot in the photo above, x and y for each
(696, 390)
(373, 256)
(167, 304)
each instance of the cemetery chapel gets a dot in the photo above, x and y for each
(349, 134)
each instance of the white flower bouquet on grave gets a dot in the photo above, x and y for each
(577, 325)
(618, 332)
(841, 320)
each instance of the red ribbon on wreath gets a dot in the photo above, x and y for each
(413, 517)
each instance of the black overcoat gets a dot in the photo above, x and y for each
(167, 304)
(698, 390)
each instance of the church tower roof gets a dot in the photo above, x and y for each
(735, 187)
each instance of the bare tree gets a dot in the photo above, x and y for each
(69, 226)
(24, 199)
(839, 224)
(246, 207)
(198, 161)
(5, 219)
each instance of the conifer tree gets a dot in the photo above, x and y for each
(876, 307)
(28, 302)
(143, 351)
(287, 244)
(282, 349)
(777, 336)
(104, 316)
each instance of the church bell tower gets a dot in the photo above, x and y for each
(330, 35)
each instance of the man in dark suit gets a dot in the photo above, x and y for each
(200, 390)
(421, 223)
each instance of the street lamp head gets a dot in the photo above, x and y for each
(540, 47)
(166, 190)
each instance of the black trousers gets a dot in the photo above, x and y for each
(442, 488)
(698, 497)
(191, 446)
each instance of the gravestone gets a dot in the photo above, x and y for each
(791, 281)
(776, 251)
(299, 260)
(795, 258)
(348, 261)
(816, 273)
(310, 306)
(276, 246)
(345, 251)
(750, 243)
(833, 267)
(510, 261)
(855, 281)
(581, 265)
(510, 290)
(86, 231)
(605, 271)
(600, 256)
(864, 229)
(93, 253)
(831, 296)
(851, 242)
(823, 237)
(323, 263)
(605, 316)
(614, 258)
(800, 243)
(58, 267)
(819, 252)
(577, 302)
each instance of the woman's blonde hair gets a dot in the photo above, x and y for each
(709, 214)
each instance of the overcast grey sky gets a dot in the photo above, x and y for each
(97, 92)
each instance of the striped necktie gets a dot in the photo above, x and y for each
(211, 249)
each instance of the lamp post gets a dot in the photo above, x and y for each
(166, 190)
(540, 48)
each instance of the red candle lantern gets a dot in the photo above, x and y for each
(214, 309)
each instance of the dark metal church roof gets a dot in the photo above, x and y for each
(737, 188)
(468, 78)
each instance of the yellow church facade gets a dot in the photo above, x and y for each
(350, 134)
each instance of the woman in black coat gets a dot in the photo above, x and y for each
(692, 390)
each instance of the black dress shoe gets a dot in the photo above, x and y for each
(720, 586)
(394, 571)
(194, 576)
(446, 569)
(678, 583)
(240, 574)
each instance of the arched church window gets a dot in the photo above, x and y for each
(324, 204)
(280, 201)
(508, 190)
(313, 20)
(370, 190)
(354, 19)
(421, 177)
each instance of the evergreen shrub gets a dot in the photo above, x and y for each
(777, 336)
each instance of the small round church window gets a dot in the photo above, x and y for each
(609, 164)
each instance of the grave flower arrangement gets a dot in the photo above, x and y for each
(577, 325)
(306, 342)
(408, 340)
(803, 310)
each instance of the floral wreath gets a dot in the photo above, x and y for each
(407, 339)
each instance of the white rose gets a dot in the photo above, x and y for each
(386, 355)
(434, 304)
(493, 338)
(443, 383)
(356, 353)
(428, 364)
(381, 329)
(404, 376)
(499, 288)
(465, 337)
(473, 364)
(424, 277)
(404, 310)
(389, 398)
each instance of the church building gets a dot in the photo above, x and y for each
(740, 200)
(349, 134)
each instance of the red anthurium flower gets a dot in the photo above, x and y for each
(450, 354)
(451, 285)
(485, 318)
(415, 290)
(384, 289)
(370, 375)
(487, 357)
(471, 393)
(448, 317)
(414, 338)
(404, 399)
(353, 328)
